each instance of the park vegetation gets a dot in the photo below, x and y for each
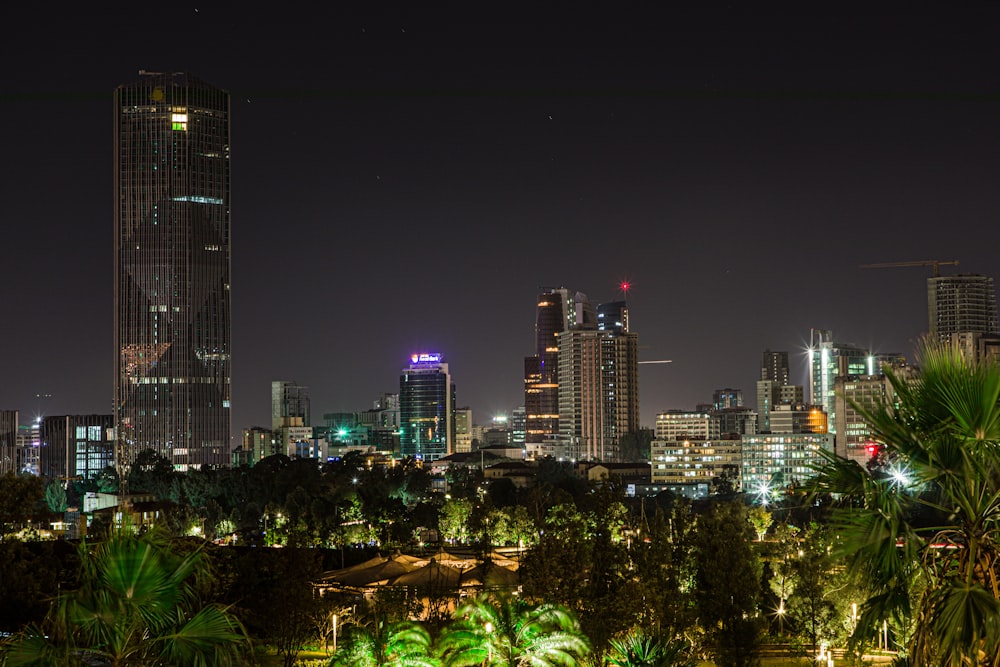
(899, 556)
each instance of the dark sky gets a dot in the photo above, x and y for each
(406, 180)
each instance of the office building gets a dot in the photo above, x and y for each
(773, 387)
(829, 359)
(426, 408)
(463, 430)
(289, 399)
(961, 304)
(172, 270)
(676, 425)
(8, 442)
(735, 421)
(76, 446)
(772, 461)
(694, 464)
(859, 394)
(518, 426)
(727, 398)
(613, 316)
(799, 418)
(557, 310)
(599, 385)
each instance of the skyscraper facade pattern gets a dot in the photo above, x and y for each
(172, 270)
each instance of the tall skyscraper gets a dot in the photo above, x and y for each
(598, 384)
(426, 408)
(172, 270)
(289, 400)
(8, 442)
(961, 304)
(558, 310)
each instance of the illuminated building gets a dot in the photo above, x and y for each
(727, 398)
(517, 426)
(799, 418)
(8, 442)
(76, 446)
(674, 425)
(772, 387)
(463, 430)
(771, 461)
(961, 304)
(558, 310)
(599, 385)
(612, 316)
(426, 408)
(694, 463)
(289, 399)
(862, 393)
(828, 360)
(172, 270)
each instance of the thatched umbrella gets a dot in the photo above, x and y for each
(378, 574)
(489, 574)
(433, 575)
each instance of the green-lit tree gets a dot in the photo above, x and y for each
(728, 584)
(926, 525)
(55, 497)
(384, 644)
(507, 632)
(454, 520)
(640, 650)
(137, 605)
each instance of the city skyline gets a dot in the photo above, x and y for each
(407, 181)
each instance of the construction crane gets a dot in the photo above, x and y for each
(936, 263)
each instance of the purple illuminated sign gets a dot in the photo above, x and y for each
(425, 358)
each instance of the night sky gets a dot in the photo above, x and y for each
(407, 180)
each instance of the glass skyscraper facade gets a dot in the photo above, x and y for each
(172, 270)
(426, 408)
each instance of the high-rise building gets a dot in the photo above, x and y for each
(856, 395)
(829, 359)
(961, 304)
(612, 316)
(771, 461)
(8, 442)
(599, 385)
(773, 388)
(172, 270)
(76, 446)
(289, 399)
(727, 398)
(558, 310)
(426, 408)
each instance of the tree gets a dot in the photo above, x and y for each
(21, 497)
(137, 604)
(454, 520)
(728, 584)
(384, 644)
(639, 650)
(507, 632)
(760, 519)
(55, 497)
(924, 526)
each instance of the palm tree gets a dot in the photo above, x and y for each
(136, 605)
(639, 650)
(384, 644)
(923, 530)
(507, 632)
